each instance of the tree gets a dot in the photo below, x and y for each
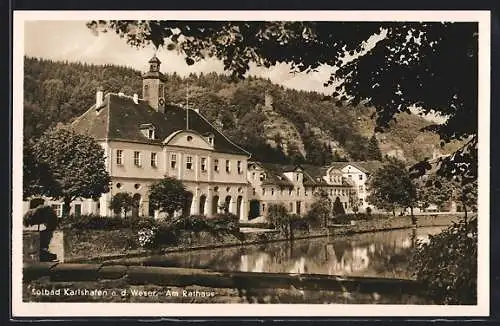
(75, 164)
(391, 186)
(168, 195)
(338, 208)
(373, 150)
(354, 202)
(412, 64)
(321, 209)
(438, 190)
(277, 215)
(447, 264)
(122, 202)
(36, 175)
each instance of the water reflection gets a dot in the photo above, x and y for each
(381, 254)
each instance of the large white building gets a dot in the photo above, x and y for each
(146, 139)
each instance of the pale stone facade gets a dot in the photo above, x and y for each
(146, 139)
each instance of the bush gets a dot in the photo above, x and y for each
(299, 223)
(224, 222)
(97, 222)
(277, 216)
(192, 223)
(447, 264)
(41, 215)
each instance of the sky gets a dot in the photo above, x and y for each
(73, 41)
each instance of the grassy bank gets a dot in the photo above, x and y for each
(96, 245)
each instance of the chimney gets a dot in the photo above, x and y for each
(99, 97)
(136, 99)
(268, 100)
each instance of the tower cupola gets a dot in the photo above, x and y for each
(153, 90)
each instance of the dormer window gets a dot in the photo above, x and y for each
(210, 139)
(148, 130)
(262, 176)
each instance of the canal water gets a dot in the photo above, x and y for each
(378, 254)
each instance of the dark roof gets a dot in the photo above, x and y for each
(119, 118)
(314, 174)
(274, 175)
(154, 59)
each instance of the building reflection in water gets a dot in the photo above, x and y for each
(381, 254)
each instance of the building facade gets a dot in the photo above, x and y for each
(146, 139)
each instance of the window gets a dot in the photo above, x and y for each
(154, 162)
(137, 158)
(289, 192)
(78, 210)
(240, 170)
(298, 192)
(297, 176)
(253, 175)
(173, 161)
(360, 177)
(262, 176)
(349, 176)
(146, 91)
(263, 207)
(331, 192)
(216, 165)
(118, 185)
(290, 207)
(211, 140)
(254, 192)
(119, 157)
(263, 191)
(189, 162)
(151, 134)
(272, 191)
(203, 163)
(189, 138)
(228, 166)
(57, 209)
(360, 188)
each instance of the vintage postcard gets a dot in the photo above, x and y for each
(251, 163)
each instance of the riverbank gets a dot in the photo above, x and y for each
(101, 245)
(57, 282)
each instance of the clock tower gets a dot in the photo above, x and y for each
(153, 85)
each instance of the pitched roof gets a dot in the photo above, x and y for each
(365, 166)
(275, 175)
(120, 118)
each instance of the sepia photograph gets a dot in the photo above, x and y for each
(320, 163)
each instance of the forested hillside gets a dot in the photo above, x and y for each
(298, 127)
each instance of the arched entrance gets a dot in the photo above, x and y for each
(227, 202)
(136, 205)
(254, 209)
(239, 201)
(186, 210)
(203, 200)
(215, 205)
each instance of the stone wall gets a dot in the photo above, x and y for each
(53, 282)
